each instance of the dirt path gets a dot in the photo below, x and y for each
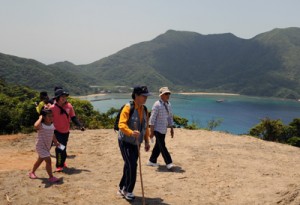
(211, 168)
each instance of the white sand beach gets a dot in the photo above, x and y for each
(204, 93)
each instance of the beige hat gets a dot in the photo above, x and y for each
(164, 90)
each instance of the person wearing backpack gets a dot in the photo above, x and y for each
(63, 113)
(133, 129)
(161, 118)
(44, 101)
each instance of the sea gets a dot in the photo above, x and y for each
(238, 113)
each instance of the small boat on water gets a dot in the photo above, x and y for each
(220, 100)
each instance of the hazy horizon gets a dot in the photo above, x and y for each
(84, 32)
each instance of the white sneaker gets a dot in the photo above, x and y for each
(120, 192)
(129, 196)
(169, 166)
(152, 164)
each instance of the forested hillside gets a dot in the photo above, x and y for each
(266, 65)
(28, 72)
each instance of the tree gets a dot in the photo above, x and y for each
(270, 130)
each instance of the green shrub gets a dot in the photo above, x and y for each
(295, 141)
(275, 130)
(267, 129)
(213, 123)
(192, 126)
(180, 121)
(295, 127)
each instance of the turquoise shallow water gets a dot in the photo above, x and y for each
(239, 113)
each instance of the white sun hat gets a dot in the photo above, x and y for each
(164, 90)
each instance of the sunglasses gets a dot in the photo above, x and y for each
(167, 93)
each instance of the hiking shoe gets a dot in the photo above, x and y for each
(53, 179)
(129, 196)
(59, 169)
(152, 164)
(169, 166)
(32, 175)
(120, 192)
(65, 165)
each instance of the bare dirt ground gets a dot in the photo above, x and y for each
(211, 168)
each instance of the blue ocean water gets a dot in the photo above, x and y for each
(239, 113)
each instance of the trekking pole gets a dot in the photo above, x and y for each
(140, 166)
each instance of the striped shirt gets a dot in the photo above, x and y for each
(44, 140)
(161, 116)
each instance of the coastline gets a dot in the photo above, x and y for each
(154, 93)
(91, 95)
(204, 93)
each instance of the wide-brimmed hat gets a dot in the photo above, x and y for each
(60, 92)
(164, 90)
(141, 90)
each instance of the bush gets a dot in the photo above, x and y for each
(294, 141)
(180, 121)
(295, 127)
(89, 117)
(275, 130)
(17, 108)
(267, 129)
(192, 126)
(213, 123)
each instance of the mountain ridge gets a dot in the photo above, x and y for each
(265, 65)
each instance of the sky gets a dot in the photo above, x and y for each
(84, 31)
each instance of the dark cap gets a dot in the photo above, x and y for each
(60, 92)
(141, 90)
(57, 87)
(43, 94)
(45, 111)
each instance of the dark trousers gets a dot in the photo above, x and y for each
(61, 155)
(130, 156)
(160, 147)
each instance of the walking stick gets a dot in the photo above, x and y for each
(140, 165)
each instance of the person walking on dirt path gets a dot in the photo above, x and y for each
(160, 120)
(45, 136)
(63, 113)
(132, 131)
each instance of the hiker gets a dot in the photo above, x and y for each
(63, 113)
(161, 118)
(132, 131)
(44, 102)
(52, 100)
(45, 136)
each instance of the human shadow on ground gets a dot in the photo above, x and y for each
(176, 169)
(72, 156)
(72, 170)
(49, 184)
(148, 201)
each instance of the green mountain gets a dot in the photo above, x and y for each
(28, 72)
(266, 65)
